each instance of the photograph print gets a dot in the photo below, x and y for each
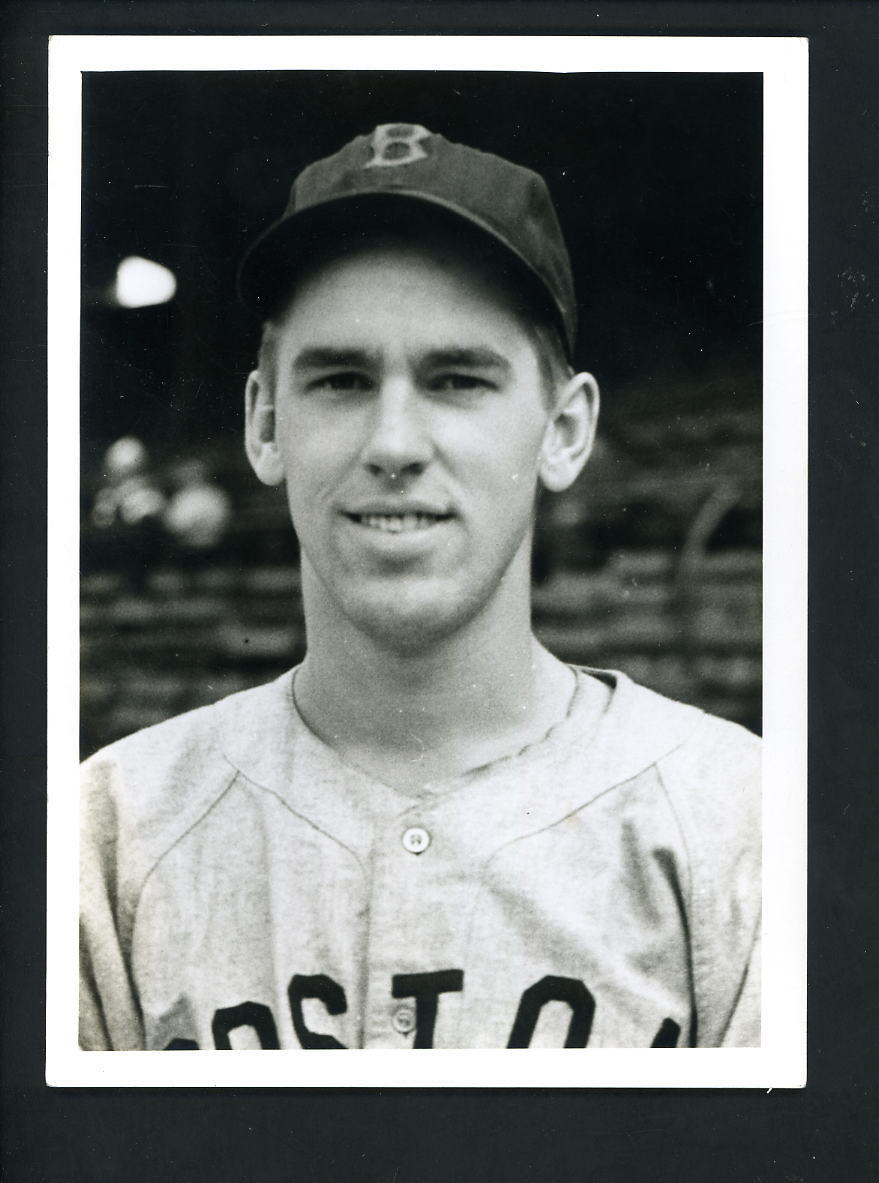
(421, 547)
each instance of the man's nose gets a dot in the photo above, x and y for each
(398, 443)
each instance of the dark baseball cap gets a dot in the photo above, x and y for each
(406, 163)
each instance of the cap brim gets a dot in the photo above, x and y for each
(281, 252)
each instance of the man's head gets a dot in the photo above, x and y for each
(414, 389)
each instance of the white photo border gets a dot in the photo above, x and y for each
(781, 1060)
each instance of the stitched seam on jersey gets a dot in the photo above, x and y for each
(161, 858)
(236, 773)
(531, 834)
(180, 837)
(669, 799)
(623, 784)
(747, 969)
(307, 820)
(690, 911)
(448, 786)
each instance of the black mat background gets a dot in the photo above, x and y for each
(824, 1132)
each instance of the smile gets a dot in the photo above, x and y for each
(397, 523)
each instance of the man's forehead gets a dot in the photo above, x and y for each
(374, 278)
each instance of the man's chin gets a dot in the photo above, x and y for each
(408, 623)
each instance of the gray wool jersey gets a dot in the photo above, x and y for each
(243, 887)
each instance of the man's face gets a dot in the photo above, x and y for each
(409, 418)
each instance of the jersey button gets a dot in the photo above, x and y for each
(416, 840)
(403, 1020)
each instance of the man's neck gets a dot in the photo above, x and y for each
(410, 718)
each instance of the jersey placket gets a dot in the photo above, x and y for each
(414, 946)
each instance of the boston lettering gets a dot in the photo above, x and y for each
(426, 990)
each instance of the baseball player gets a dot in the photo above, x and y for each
(432, 833)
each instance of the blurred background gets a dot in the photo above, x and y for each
(650, 564)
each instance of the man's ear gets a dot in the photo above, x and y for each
(570, 433)
(260, 441)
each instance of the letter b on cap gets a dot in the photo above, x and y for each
(397, 143)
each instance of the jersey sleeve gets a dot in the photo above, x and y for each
(714, 785)
(109, 1017)
(743, 1026)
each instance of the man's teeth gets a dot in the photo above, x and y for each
(398, 523)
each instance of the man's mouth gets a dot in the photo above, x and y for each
(398, 523)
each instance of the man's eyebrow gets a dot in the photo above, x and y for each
(316, 357)
(322, 357)
(475, 357)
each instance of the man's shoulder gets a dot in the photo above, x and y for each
(717, 754)
(162, 779)
(702, 761)
(710, 769)
(200, 733)
(655, 727)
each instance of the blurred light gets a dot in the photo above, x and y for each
(140, 283)
(128, 455)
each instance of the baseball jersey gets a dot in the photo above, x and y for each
(244, 887)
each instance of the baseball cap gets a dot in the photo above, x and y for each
(406, 163)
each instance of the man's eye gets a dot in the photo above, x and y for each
(460, 382)
(341, 381)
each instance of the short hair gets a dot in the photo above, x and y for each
(552, 358)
